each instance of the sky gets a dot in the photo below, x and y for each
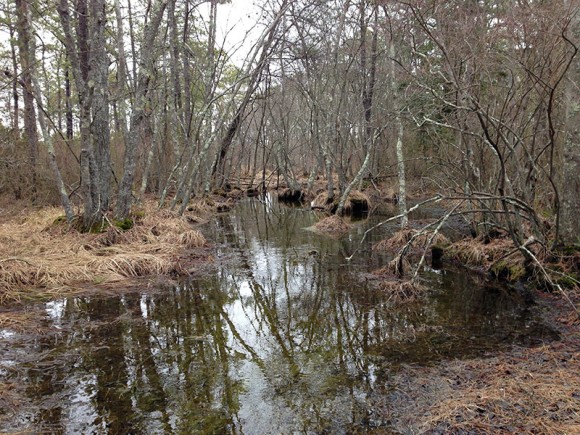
(237, 30)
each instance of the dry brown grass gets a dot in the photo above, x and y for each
(529, 391)
(498, 256)
(402, 291)
(41, 257)
(332, 225)
(357, 202)
(418, 239)
(321, 201)
(474, 252)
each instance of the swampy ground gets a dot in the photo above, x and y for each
(253, 322)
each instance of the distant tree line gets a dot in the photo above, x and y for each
(477, 99)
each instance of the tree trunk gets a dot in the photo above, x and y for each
(98, 76)
(399, 143)
(64, 199)
(16, 107)
(92, 213)
(145, 76)
(570, 183)
(24, 48)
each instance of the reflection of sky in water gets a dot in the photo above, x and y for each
(283, 338)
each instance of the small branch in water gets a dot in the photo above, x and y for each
(436, 198)
(547, 276)
(442, 220)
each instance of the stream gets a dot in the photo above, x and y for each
(283, 336)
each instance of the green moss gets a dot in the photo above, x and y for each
(98, 228)
(571, 249)
(139, 214)
(569, 280)
(509, 271)
(59, 220)
(125, 224)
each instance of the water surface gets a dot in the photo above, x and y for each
(284, 337)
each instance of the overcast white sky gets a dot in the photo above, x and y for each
(237, 29)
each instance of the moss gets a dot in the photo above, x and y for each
(98, 228)
(125, 224)
(571, 249)
(139, 214)
(569, 280)
(59, 220)
(509, 271)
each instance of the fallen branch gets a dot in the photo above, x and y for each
(441, 221)
(436, 198)
(531, 255)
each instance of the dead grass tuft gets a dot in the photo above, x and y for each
(357, 203)
(290, 195)
(418, 239)
(332, 225)
(322, 202)
(474, 252)
(40, 254)
(490, 257)
(400, 290)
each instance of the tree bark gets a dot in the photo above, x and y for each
(24, 48)
(98, 75)
(145, 75)
(570, 182)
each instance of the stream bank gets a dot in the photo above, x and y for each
(283, 335)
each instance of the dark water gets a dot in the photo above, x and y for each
(285, 337)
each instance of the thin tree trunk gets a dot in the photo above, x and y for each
(64, 199)
(15, 96)
(24, 48)
(121, 73)
(569, 221)
(145, 76)
(98, 76)
(266, 43)
(399, 144)
(79, 65)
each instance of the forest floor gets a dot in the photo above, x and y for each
(522, 390)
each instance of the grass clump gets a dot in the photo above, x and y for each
(332, 225)
(39, 257)
(357, 203)
(418, 240)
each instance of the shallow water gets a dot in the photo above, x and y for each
(284, 337)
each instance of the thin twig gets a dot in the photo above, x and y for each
(436, 198)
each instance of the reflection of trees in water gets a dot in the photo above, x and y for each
(285, 335)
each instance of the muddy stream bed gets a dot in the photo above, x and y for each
(283, 336)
